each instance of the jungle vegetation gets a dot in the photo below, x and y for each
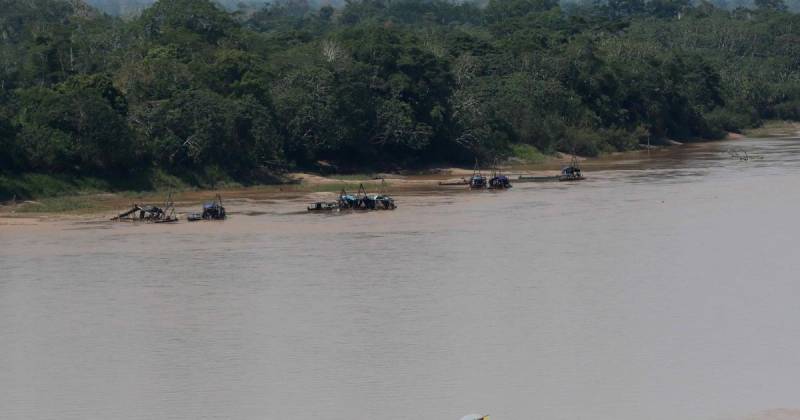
(192, 90)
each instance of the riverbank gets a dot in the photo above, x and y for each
(774, 129)
(90, 198)
(313, 186)
(54, 196)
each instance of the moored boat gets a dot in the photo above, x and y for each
(477, 181)
(498, 181)
(213, 210)
(359, 201)
(571, 172)
(380, 201)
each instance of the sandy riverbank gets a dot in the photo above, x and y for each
(308, 187)
(313, 187)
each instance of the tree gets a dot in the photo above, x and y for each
(667, 8)
(186, 23)
(78, 125)
(10, 157)
(771, 5)
(499, 10)
(199, 128)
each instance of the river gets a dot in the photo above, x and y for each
(663, 287)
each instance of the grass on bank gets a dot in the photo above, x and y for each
(48, 194)
(28, 186)
(774, 128)
(72, 205)
(35, 186)
(526, 153)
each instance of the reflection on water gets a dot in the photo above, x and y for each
(660, 288)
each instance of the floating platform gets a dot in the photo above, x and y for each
(323, 207)
(568, 173)
(359, 202)
(553, 178)
(460, 182)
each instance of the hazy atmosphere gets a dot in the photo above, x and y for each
(125, 7)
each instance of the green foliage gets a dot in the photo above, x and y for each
(498, 11)
(186, 23)
(56, 205)
(725, 120)
(788, 110)
(78, 124)
(199, 128)
(29, 185)
(10, 153)
(771, 5)
(190, 93)
(527, 153)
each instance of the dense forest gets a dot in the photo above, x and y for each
(192, 90)
(132, 7)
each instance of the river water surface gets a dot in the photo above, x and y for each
(665, 287)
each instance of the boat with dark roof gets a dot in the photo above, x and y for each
(498, 181)
(213, 210)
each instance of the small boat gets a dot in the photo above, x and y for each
(571, 173)
(498, 181)
(360, 201)
(211, 211)
(379, 201)
(477, 181)
(347, 201)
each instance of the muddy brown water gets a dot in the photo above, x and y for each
(663, 287)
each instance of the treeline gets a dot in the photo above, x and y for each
(192, 90)
(132, 7)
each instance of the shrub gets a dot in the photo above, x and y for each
(526, 153)
(724, 120)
